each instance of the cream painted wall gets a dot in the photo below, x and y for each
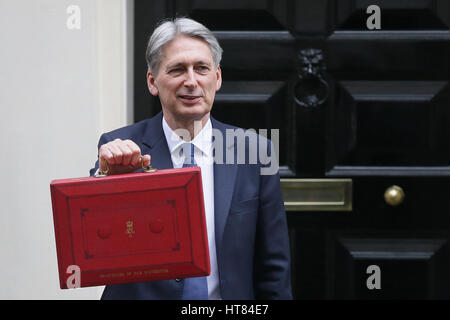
(59, 90)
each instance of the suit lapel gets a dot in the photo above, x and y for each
(154, 143)
(224, 180)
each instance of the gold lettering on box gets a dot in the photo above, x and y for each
(135, 273)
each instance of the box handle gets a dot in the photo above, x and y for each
(104, 173)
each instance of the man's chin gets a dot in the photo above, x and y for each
(191, 114)
(194, 111)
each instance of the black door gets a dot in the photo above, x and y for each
(364, 131)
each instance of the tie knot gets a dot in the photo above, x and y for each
(188, 151)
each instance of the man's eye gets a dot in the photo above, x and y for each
(202, 68)
(176, 70)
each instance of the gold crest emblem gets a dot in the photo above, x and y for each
(130, 229)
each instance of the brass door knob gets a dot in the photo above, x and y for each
(394, 195)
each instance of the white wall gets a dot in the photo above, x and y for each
(59, 89)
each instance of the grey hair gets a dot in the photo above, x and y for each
(167, 30)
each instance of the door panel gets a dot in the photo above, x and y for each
(238, 15)
(409, 268)
(396, 14)
(368, 106)
(366, 131)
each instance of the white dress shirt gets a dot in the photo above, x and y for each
(204, 158)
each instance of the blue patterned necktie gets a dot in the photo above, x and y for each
(194, 288)
(188, 151)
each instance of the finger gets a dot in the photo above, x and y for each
(105, 154)
(136, 159)
(105, 159)
(146, 160)
(135, 153)
(116, 151)
(126, 153)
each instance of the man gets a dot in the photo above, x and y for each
(246, 222)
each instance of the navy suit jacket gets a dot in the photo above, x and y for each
(251, 232)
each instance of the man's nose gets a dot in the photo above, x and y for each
(191, 80)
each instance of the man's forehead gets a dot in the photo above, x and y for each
(184, 49)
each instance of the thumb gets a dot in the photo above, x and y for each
(146, 160)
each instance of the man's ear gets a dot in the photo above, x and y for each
(219, 78)
(151, 83)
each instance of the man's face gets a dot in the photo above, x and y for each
(187, 80)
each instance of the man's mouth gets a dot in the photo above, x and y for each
(189, 99)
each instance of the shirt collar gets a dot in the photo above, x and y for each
(203, 140)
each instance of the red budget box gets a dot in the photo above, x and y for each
(130, 228)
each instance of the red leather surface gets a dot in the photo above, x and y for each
(131, 227)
